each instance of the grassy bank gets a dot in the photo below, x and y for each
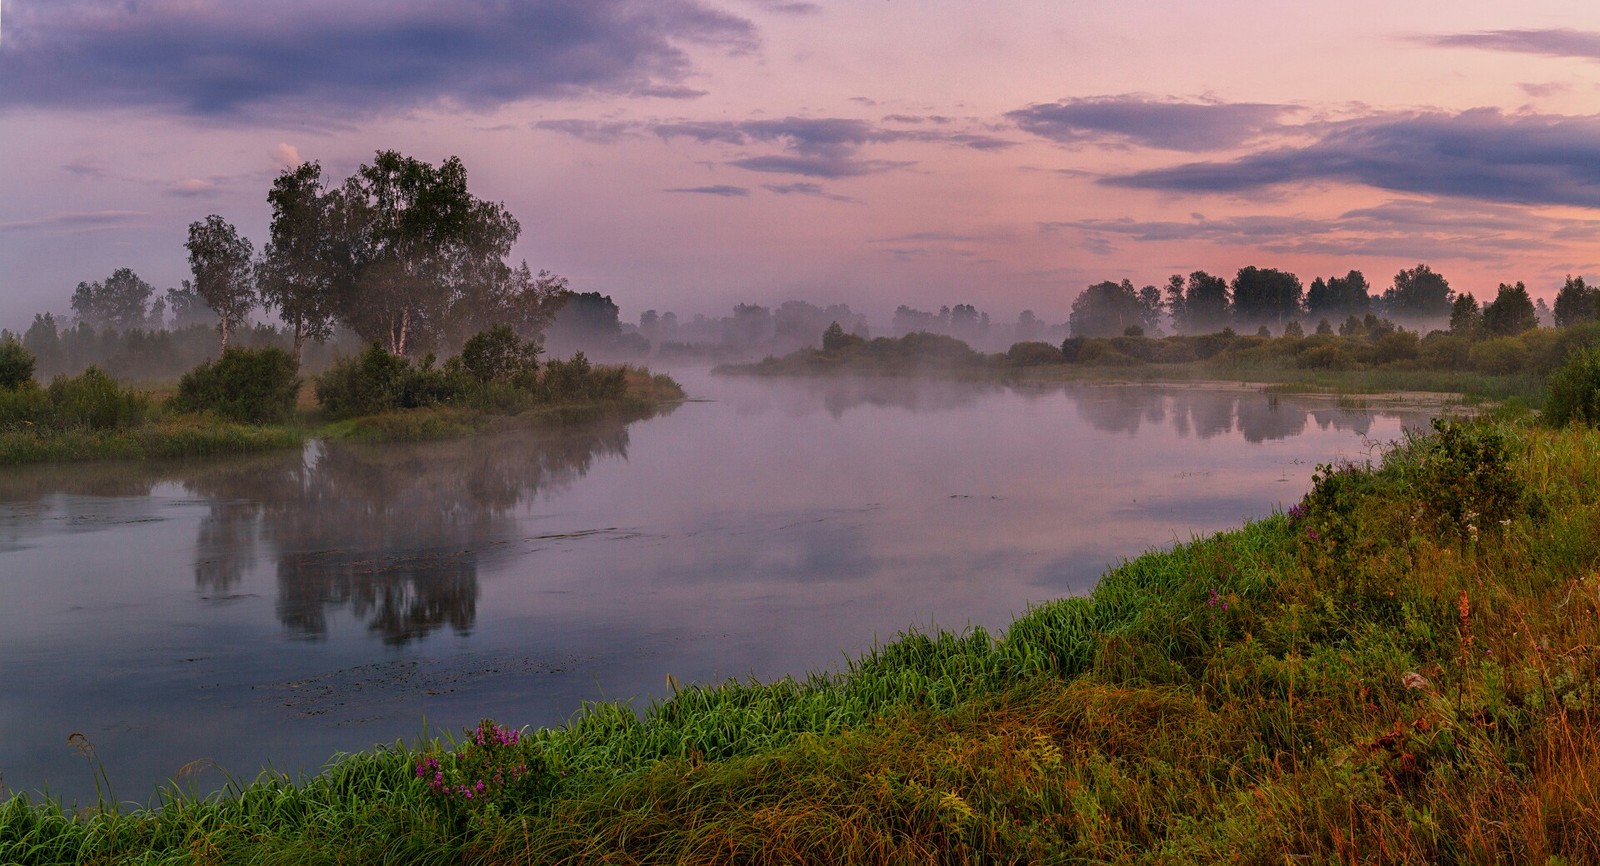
(147, 425)
(1402, 669)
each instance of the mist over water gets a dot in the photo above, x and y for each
(277, 609)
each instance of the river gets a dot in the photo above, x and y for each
(211, 618)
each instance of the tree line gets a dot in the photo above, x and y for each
(1201, 303)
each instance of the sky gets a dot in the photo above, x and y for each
(689, 155)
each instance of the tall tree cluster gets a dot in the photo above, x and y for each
(401, 253)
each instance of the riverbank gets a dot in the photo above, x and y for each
(1378, 360)
(158, 434)
(1401, 668)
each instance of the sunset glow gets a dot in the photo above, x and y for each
(688, 155)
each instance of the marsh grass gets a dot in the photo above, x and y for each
(1387, 673)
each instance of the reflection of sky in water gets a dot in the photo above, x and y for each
(279, 608)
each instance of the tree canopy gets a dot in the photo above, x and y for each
(298, 264)
(1265, 295)
(220, 259)
(1577, 303)
(419, 251)
(1339, 297)
(1510, 313)
(1106, 310)
(1418, 293)
(121, 302)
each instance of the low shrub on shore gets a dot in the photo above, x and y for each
(250, 386)
(1399, 669)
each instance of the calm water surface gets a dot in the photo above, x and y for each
(272, 611)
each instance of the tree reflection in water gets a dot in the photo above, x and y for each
(1257, 417)
(394, 533)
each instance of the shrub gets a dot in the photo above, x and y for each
(1324, 357)
(1391, 346)
(1033, 354)
(16, 365)
(1442, 351)
(252, 386)
(1573, 393)
(1465, 478)
(575, 380)
(94, 401)
(497, 355)
(1503, 355)
(366, 384)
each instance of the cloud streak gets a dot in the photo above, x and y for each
(1147, 122)
(362, 57)
(720, 189)
(1482, 154)
(1551, 42)
(1404, 228)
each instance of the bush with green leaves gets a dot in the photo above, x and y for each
(16, 365)
(499, 356)
(1464, 476)
(378, 381)
(89, 401)
(1572, 396)
(576, 380)
(251, 386)
(1033, 353)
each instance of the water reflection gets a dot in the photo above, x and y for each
(395, 534)
(1207, 413)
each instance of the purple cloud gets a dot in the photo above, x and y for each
(1165, 124)
(1480, 154)
(361, 57)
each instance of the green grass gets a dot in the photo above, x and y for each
(169, 435)
(1403, 672)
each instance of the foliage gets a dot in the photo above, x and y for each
(1573, 393)
(121, 302)
(89, 401)
(1265, 294)
(1418, 293)
(1510, 313)
(1465, 478)
(835, 340)
(299, 264)
(1033, 354)
(1466, 320)
(1106, 310)
(498, 356)
(1577, 303)
(16, 365)
(223, 276)
(1502, 355)
(379, 381)
(1205, 306)
(250, 386)
(416, 249)
(1337, 297)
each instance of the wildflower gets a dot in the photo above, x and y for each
(1311, 534)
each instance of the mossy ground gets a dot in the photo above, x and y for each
(1404, 669)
